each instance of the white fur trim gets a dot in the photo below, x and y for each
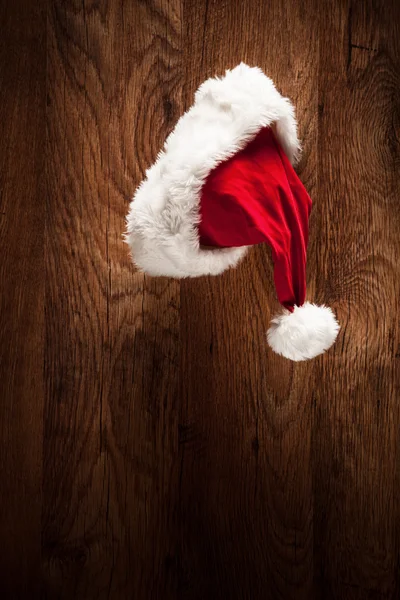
(306, 332)
(228, 113)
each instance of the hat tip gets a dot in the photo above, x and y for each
(305, 333)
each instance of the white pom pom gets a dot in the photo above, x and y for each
(306, 332)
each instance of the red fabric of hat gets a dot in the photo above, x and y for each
(254, 197)
(212, 193)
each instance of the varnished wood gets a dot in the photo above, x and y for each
(112, 335)
(152, 446)
(356, 438)
(22, 215)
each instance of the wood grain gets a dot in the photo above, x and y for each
(22, 212)
(356, 437)
(247, 412)
(152, 445)
(111, 335)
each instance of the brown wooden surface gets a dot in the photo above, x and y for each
(22, 280)
(151, 445)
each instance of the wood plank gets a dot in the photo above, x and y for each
(246, 494)
(22, 210)
(112, 336)
(151, 444)
(356, 435)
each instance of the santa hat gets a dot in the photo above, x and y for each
(223, 182)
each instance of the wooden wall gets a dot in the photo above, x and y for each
(151, 444)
